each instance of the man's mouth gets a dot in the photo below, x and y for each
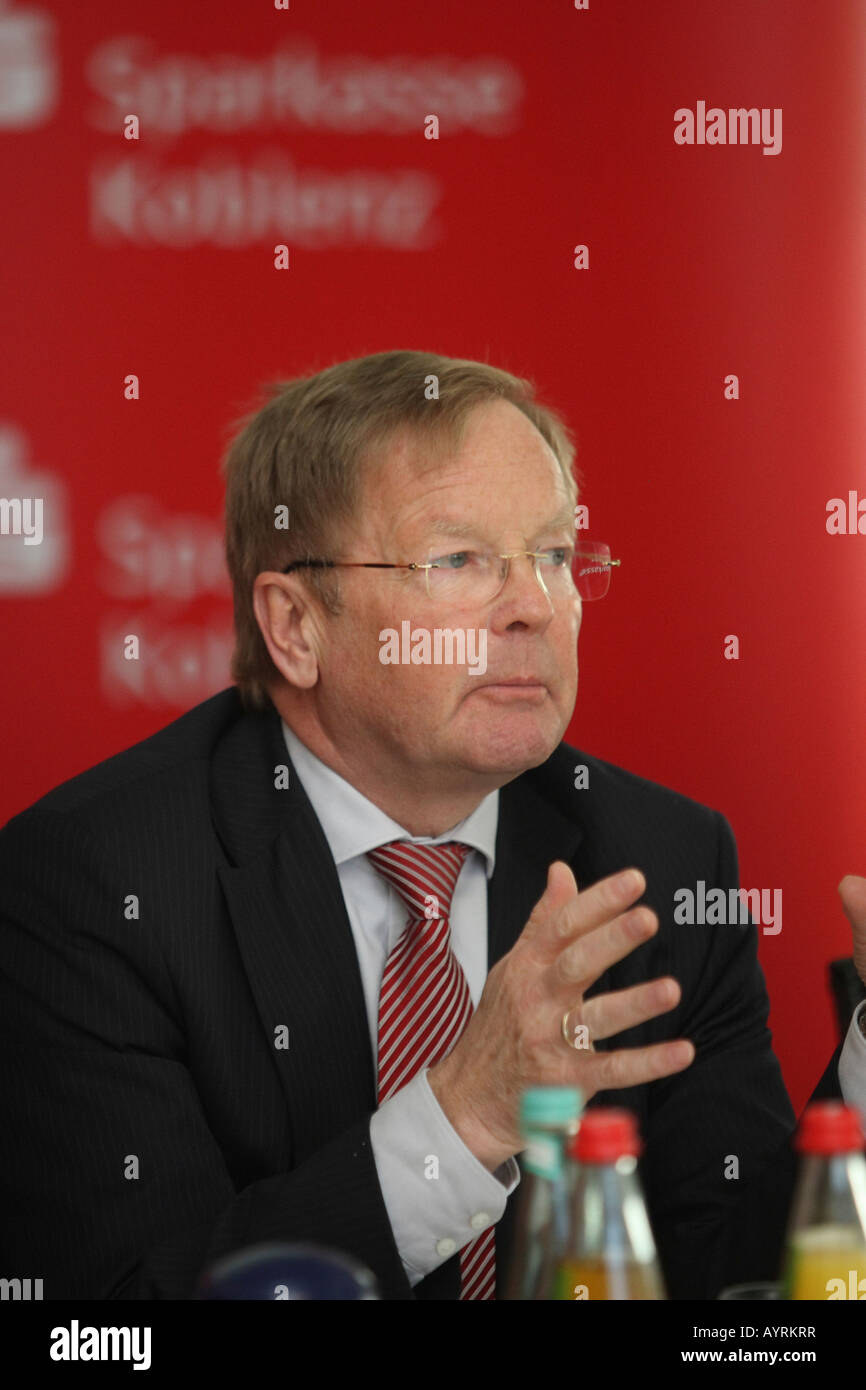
(517, 680)
(515, 688)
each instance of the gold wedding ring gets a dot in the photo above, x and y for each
(590, 1047)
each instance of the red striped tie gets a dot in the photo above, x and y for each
(424, 1000)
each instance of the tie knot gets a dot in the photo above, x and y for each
(424, 875)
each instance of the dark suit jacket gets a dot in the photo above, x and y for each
(166, 911)
(828, 1087)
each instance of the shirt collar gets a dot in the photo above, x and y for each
(353, 825)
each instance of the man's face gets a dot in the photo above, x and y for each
(440, 724)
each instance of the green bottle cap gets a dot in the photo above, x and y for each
(549, 1105)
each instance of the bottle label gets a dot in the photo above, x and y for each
(543, 1156)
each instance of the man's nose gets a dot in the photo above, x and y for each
(522, 597)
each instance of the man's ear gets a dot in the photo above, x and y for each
(291, 621)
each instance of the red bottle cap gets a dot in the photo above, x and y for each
(605, 1134)
(829, 1127)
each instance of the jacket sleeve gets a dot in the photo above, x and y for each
(719, 1156)
(829, 1086)
(113, 1184)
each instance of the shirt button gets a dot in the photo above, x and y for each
(479, 1221)
(446, 1246)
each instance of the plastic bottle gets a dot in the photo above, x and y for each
(610, 1251)
(825, 1248)
(549, 1118)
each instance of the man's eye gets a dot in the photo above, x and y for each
(558, 556)
(458, 560)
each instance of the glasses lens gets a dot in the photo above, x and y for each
(462, 576)
(474, 577)
(591, 570)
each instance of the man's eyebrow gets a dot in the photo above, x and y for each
(445, 526)
(451, 528)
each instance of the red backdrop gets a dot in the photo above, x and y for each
(261, 126)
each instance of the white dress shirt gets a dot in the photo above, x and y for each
(852, 1066)
(438, 1195)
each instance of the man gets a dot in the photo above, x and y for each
(845, 1076)
(282, 971)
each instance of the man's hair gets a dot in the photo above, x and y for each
(307, 450)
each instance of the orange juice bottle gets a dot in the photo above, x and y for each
(825, 1252)
(610, 1252)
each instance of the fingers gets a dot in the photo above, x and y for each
(561, 913)
(609, 1014)
(578, 965)
(852, 891)
(577, 936)
(610, 1071)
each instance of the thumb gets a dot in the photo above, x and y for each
(852, 891)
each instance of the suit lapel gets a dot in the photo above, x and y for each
(532, 831)
(288, 913)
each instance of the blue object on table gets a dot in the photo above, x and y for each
(292, 1273)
